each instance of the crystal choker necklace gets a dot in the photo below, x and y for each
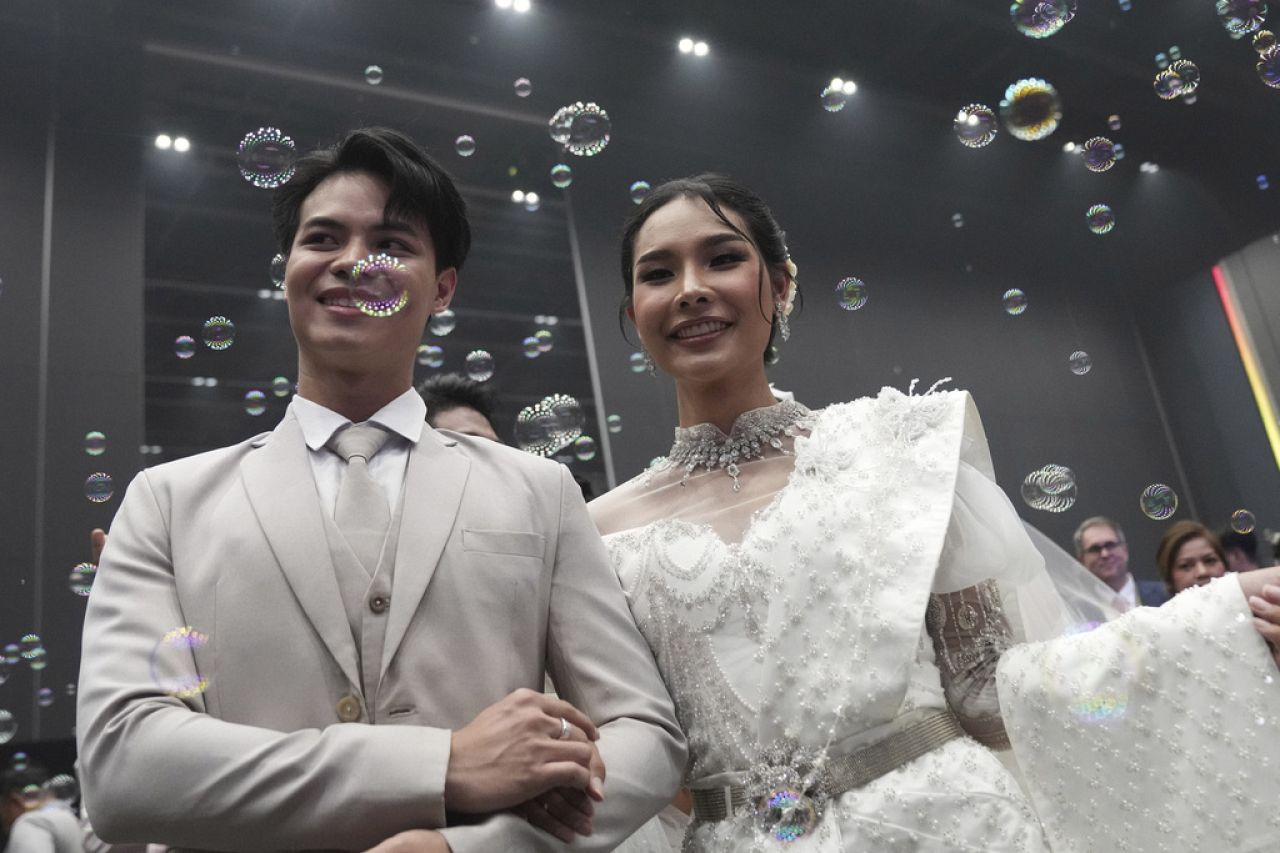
(705, 446)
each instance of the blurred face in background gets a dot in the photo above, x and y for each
(1105, 555)
(1195, 564)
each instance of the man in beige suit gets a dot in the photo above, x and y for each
(333, 635)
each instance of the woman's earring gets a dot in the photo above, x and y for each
(780, 317)
(648, 362)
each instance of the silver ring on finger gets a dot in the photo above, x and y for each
(565, 728)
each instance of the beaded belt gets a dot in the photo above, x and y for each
(789, 814)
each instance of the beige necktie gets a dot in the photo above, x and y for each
(361, 512)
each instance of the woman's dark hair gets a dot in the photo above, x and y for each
(1179, 534)
(718, 193)
(420, 189)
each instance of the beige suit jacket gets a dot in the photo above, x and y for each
(499, 575)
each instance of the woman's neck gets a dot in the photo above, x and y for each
(721, 403)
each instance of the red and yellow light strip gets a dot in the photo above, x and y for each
(1249, 357)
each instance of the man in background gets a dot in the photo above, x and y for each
(34, 820)
(1101, 547)
(459, 404)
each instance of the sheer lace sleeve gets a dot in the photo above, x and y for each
(970, 633)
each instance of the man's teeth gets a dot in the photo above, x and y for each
(701, 329)
(343, 301)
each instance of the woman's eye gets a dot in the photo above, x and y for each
(654, 274)
(726, 258)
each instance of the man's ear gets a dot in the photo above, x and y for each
(446, 285)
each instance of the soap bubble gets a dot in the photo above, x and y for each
(373, 75)
(95, 443)
(561, 175)
(1268, 67)
(465, 145)
(549, 425)
(255, 402)
(266, 158)
(523, 87)
(281, 386)
(614, 423)
(834, 98)
(1113, 122)
(1040, 19)
(1101, 218)
(1080, 362)
(278, 264)
(479, 365)
(184, 346)
(31, 795)
(12, 654)
(219, 333)
(379, 288)
(637, 362)
(957, 220)
(1243, 521)
(30, 646)
(851, 293)
(639, 190)
(1158, 502)
(1181, 78)
(1031, 109)
(529, 346)
(1014, 301)
(1241, 17)
(173, 663)
(99, 488)
(442, 322)
(1262, 182)
(44, 697)
(545, 339)
(585, 448)
(6, 669)
(39, 659)
(1099, 154)
(1264, 40)
(81, 580)
(430, 355)
(975, 125)
(9, 728)
(582, 128)
(1051, 488)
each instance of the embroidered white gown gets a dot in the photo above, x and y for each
(877, 574)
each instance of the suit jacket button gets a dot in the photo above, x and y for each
(378, 604)
(348, 709)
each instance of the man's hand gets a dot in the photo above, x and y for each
(414, 841)
(512, 752)
(97, 541)
(565, 812)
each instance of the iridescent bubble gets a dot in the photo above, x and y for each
(6, 669)
(44, 697)
(1158, 502)
(219, 333)
(1263, 183)
(184, 346)
(1264, 40)
(39, 659)
(479, 365)
(174, 668)
(1080, 362)
(1051, 488)
(266, 157)
(834, 99)
(1269, 67)
(582, 128)
(851, 294)
(465, 145)
(1014, 301)
(1040, 19)
(31, 795)
(81, 580)
(1181, 78)
(95, 443)
(1167, 86)
(1101, 218)
(546, 340)
(29, 645)
(12, 654)
(1099, 154)
(1113, 122)
(1031, 109)
(975, 125)
(614, 423)
(549, 425)
(637, 362)
(99, 488)
(1243, 521)
(561, 175)
(442, 322)
(530, 347)
(278, 264)
(63, 788)
(255, 402)
(281, 386)
(957, 220)
(523, 87)
(379, 286)
(71, 688)
(430, 355)
(19, 761)
(585, 448)
(1241, 17)
(786, 815)
(639, 190)
(373, 75)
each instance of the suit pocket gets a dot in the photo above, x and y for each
(512, 543)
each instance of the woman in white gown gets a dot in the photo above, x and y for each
(829, 595)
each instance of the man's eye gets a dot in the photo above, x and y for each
(318, 237)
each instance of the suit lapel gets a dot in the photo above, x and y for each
(281, 488)
(434, 483)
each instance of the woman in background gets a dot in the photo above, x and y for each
(1189, 555)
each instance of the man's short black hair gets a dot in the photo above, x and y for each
(447, 391)
(14, 780)
(420, 189)
(1246, 543)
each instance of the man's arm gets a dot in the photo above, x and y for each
(159, 769)
(601, 664)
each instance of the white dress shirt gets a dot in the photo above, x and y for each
(1129, 592)
(404, 417)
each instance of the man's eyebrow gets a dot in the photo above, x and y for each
(394, 225)
(713, 240)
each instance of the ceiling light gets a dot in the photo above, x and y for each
(521, 5)
(1149, 167)
(181, 144)
(849, 87)
(531, 199)
(686, 45)
(701, 49)
(837, 83)
(264, 294)
(1069, 147)
(163, 142)
(210, 382)
(517, 196)
(503, 4)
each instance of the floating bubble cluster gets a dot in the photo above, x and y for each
(561, 175)
(479, 365)
(1080, 362)
(975, 125)
(255, 402)
(465, 145)
(379, 289)
(523, 87)
(851, 293)
(1031, 109)
(266, 158)
(81, 578)
(1040, 19)
(582, 128)
(1243, 521)
(1158, 502)
(1180, 79)
(585, 448)
(1241, 17)
(1014, 301)
(430, 355)
(173, 665)
(1051, 488)
(1100, 218)
(1099, 154)
(638, 191)
(550, 424)
(184, 346)
(442, 322)
(1268, 67)
(373, 75)
(545, 338)
(219, 333)
(31, 646)
(99, 488)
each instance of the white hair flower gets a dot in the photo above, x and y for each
(789, 300)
